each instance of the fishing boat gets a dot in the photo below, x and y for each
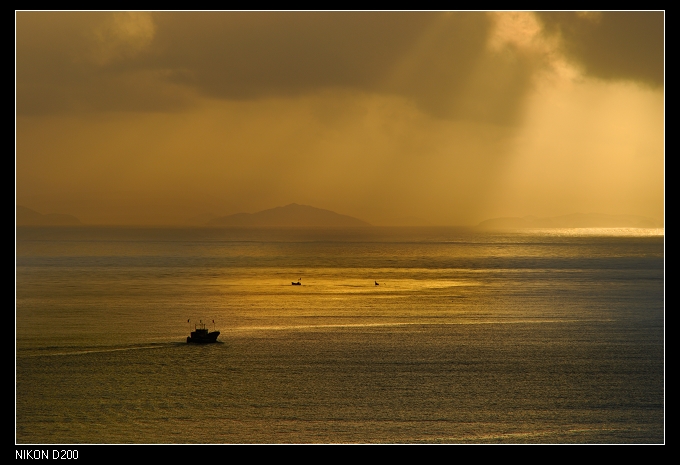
(201, 335)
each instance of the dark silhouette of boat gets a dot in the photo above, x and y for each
(201, 335)
(298, 283)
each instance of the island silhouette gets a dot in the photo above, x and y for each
(27, 217)
(292, 215)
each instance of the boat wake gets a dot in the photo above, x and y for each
(522, 435)
(409, 323)
(60, 352)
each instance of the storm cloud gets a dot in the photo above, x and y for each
(392, 117)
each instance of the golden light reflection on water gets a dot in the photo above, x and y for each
(489, 338)
(330, 282)
(424, 322)
(508, 436)
(608, 232)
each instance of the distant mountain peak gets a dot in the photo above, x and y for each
(291, 215)
(27, 217)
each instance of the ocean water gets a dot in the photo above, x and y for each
(552, 336)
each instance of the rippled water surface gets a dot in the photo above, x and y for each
(469, 337)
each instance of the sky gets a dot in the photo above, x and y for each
(396, 118)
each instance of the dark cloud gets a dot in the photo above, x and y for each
(418, 112)
(66, 63)
(613, 45)
(250, 55)
(61, 67)
(160, 61)
(246, 55)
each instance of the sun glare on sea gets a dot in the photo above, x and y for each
(607, 232)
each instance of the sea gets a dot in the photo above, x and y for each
(394, 336)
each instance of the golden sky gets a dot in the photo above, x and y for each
(444, 118)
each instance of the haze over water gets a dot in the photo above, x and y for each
(469, 337)
(147, 143)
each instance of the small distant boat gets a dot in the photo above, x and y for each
(296, 283)
(201, 335)
(376, 283)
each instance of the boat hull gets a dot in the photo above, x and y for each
(203, 338)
